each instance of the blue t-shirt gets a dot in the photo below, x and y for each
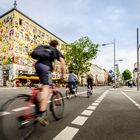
(71, 78)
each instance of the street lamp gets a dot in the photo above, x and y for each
(119, 60)
(117, 70)
(138, 47)
(114, 61)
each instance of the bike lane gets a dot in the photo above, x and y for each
(64, 129)
(116, 118)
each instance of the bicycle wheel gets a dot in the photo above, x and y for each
(20, 121)
(57, 105)
(68, 94)
(88, 94)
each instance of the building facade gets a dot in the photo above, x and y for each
(19, 35)
(100, 75)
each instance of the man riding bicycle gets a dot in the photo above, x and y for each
(71, 82)
(44, 69)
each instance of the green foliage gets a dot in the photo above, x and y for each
(127, 74)
(79, 54)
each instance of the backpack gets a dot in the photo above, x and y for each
(42, 52)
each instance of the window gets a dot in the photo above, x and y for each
(20, 21)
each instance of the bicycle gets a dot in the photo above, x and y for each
(89, 92)
(24, 108)
(70, 91)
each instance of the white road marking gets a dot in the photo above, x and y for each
(91, 107)
(20, 109)
(4, 113)
(87, 112)
(80, 120)
(95, 104)
(136, 104)
(66, 134)
(69, 132)
(97, 101)
(24, 108)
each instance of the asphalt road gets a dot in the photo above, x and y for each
(108, 115)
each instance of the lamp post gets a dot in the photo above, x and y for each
(117, 71)
(138, 59)
(114, 60)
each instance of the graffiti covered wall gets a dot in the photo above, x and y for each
(19, 35)
(7, 39)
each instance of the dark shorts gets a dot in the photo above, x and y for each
(44, 73)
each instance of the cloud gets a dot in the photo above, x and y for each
(103, 21)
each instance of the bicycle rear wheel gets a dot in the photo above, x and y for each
(68, 96)
(57, 105)
(19, 123)
(88, 94)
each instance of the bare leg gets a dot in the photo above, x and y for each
(44, 95)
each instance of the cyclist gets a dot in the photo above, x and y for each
(71, 82)
(90, 82)
(43, 69)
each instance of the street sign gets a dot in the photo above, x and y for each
(110, 71)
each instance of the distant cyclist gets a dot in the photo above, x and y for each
(90, 82)
(71, 82)
(44, 69)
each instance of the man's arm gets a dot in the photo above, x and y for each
(63, 67)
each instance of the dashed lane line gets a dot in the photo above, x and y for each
(91, 107)
(95, 104)
(67, 134)
(87, 112)
(79, 120)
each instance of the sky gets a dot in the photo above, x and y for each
(101, 20)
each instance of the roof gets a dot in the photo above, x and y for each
(31, 20)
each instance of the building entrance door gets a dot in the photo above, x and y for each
(5, 76)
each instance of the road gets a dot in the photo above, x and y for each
(108, 115)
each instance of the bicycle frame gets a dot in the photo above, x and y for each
(34, 99)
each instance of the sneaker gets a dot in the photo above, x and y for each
(42, 121)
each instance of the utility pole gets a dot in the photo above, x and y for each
(114, 60)
(137, 59)
(114, 66)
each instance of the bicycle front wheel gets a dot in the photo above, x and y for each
(57, 105)
(19, 123)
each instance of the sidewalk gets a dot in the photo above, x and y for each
(126, 88)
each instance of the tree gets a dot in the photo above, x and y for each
(127, 74)
(79, 54)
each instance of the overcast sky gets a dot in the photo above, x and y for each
(101, 20)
